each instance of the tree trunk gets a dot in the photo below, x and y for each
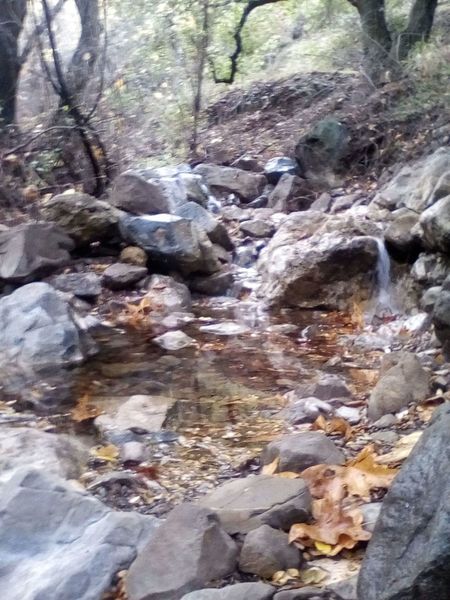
(12, 15)
(418, 29)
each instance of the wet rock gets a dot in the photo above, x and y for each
(298, 451)
(188, 551)
(409, 553)
(121, 276)
(402, 233)
(435, 225)
(172, 242)
(38, 329)
(239, 591)
(290, 194)
(133, 255)
(417, 185)
(225, 328)
(56, 454)
(140, 411)
(403, 380)
(245, 504)
(32, 250)
(166, 295)
(217, 284)
(174, 340)
(215, 230)
(83, 285)
(276, 167)
(59, 542)
(266, 551)
(83, 217)
(257, 228)
(430, 297)
(246, 185)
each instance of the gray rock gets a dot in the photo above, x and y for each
(38, 329)
(121, 276)
(290, 194)
(58, 542)
(402, 233)
(276, 167)
(225, 328)
(246, 185)
(430, 269)
(174, 340)
(409, 552)
(188, 551)
(83, 285)
(83, 217)
(323, 203)
(247, 162)
(430, 297)
(56, 454)
(403, 380)
(217, 284)
(32, 250)
(435, 224)
(239, 591)
(307, 593)
(172, 242)
(298, 451)
(370, 512)
(385, 421)
(266, 551)
(257, 228)
(133, 452)
(304, 410)
(385, 437)
(215, 230)
(167, 295)
(327, 388)
(345, 588)
(245, 504)
(145, 412)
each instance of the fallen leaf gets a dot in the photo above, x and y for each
(271, 468)
(334, 425)
(401, 451)
(313, 576)
(284, 577)
(84, 411)
(109, 453)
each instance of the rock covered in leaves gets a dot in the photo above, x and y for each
(245, 504)
(239, 591)
(32, 250)
(403, 380)
(298, 451)
(245, 184)
(59, 542)
(188, 551)
(83, 217)
(409, 553)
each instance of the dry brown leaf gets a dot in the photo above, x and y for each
(334, 425)
(271, 468)
(84, 411)
(401, 450)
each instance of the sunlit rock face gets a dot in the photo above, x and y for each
(319, 261)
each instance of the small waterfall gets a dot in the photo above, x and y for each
(383, 275)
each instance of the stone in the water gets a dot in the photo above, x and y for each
(29, 251)
(121, 276)
(174, 340)
(166, 295)
(84, 285)
(56, 454)
(246, 185)
(83, 217)
(187, 552)
(299, 451)
(409, 553)
(216, 284)
(238, 591)
(172, 242)
(266, 551)
(276, 167)
(38, 329)
(225, 328)
(245, 504)
(403, 380)
(59, 542)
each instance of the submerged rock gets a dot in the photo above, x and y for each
(59, 542)
(409, 553)
(188, 551)
(29, 251)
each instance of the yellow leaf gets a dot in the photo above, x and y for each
(323, 548)
(109, 453)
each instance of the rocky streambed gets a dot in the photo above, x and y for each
(210, 380)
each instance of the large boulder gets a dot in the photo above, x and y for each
(83, 217)
(172, 242)
(32, 250)
(188, 551)
(408, 556)
(248, 186)
(299, 451)
(56, 454)
(435, 224)
(319, 261)
(245, 504)
(419, 184)
(38, 329)
(403, 380)
(215, 230)
(58, 542)
(402, 233)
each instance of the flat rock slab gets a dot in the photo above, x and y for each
(121, 276)
(299, 451)
(245, 504)
(239, 591)
(188, 551)
(58, 542)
